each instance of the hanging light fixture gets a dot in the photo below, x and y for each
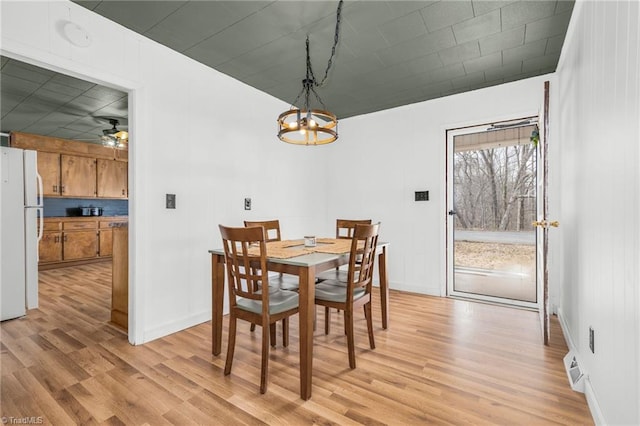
(303, 125)
(113, 137)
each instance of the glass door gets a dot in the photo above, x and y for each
(492, 204)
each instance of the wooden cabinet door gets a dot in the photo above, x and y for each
(80, 245)
(106, 239)
(49, 170)
(78, 176)
(112, 179)
(50, 247)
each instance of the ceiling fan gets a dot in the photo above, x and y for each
(113, 137)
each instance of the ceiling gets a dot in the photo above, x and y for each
(390, 53)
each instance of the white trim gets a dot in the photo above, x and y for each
(592, 402)
(175, 326)
(571, 29)
(589, 392)
(17, 51)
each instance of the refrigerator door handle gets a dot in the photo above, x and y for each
(40, 194)
(41, 226)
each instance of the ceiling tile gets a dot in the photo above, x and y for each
(55, 98)
(62, 88)
(362, 42)
(137, 15)
(479, 27)
(480, 7)
(501, 41)
(522, 12)
(547, 27)
(424, 63)
(403, 29)
(564, 5)
(541, 63)
(460, 53)
(493, 60)
(193, 23)
(71, 82)
(554, 44)
(11, 84)
(528, 50)
(514, 68)
(468, 81)
(419, 46)
(106, 93)
(363, 15)
(26, 72)
(446, 13)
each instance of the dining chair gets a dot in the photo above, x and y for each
(245, 270)
(272, 233)
(344, 230)
(357, 292)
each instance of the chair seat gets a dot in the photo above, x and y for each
(334, 291)
(279, 301)
(284, 282)
(339, 276)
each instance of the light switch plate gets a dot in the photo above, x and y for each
(247, 203)
(171, 201)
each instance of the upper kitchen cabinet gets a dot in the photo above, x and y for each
(112, 179)
(49, 170)
(76, 169)
(78, 176)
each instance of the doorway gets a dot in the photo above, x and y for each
(492, 202)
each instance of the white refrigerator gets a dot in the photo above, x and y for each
(21, 223)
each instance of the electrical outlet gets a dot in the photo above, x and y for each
(592, 340)
(170, 201)
(247, 203)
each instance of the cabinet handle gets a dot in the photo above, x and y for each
(55, 188)
(123, 192)
(62, 189)
(64, 238)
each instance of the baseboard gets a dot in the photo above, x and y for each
(589, 392)
(592, 402)
(175, 326)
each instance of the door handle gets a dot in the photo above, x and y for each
(546, 223)
(452, 212)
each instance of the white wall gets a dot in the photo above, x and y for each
(405, 151)
(599, 193)
(196, 133)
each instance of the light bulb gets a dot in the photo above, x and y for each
(293, 125)
(312, 123)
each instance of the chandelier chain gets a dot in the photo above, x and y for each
(336, 37)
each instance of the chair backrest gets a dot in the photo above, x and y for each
(345, 227)
(363, 249)
(271, 228)
(245, 255)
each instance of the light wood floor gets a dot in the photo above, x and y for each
(442, 361)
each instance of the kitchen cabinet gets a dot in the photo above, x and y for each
(112, 178)
(49, 170)
(50, 246)
(76, 169)
(78, 176)
(76, 240)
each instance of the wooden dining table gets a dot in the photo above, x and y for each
(305, 263)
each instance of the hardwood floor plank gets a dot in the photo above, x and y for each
(442, 361)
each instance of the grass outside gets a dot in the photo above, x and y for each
(497, 256)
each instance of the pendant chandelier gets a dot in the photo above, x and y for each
(304, 125)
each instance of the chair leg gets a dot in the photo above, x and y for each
(327, 320)
(231, 345)
(272, 334)
(264, 369)
(285, 332)
(348, 324)
(368, 316)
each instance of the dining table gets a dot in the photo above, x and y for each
(293, 257)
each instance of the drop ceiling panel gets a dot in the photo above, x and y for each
(389, 51)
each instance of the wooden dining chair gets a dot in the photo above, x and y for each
(357, 292)
(247, 301)
(344, 230)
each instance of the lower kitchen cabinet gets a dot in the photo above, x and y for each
(67, 240)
